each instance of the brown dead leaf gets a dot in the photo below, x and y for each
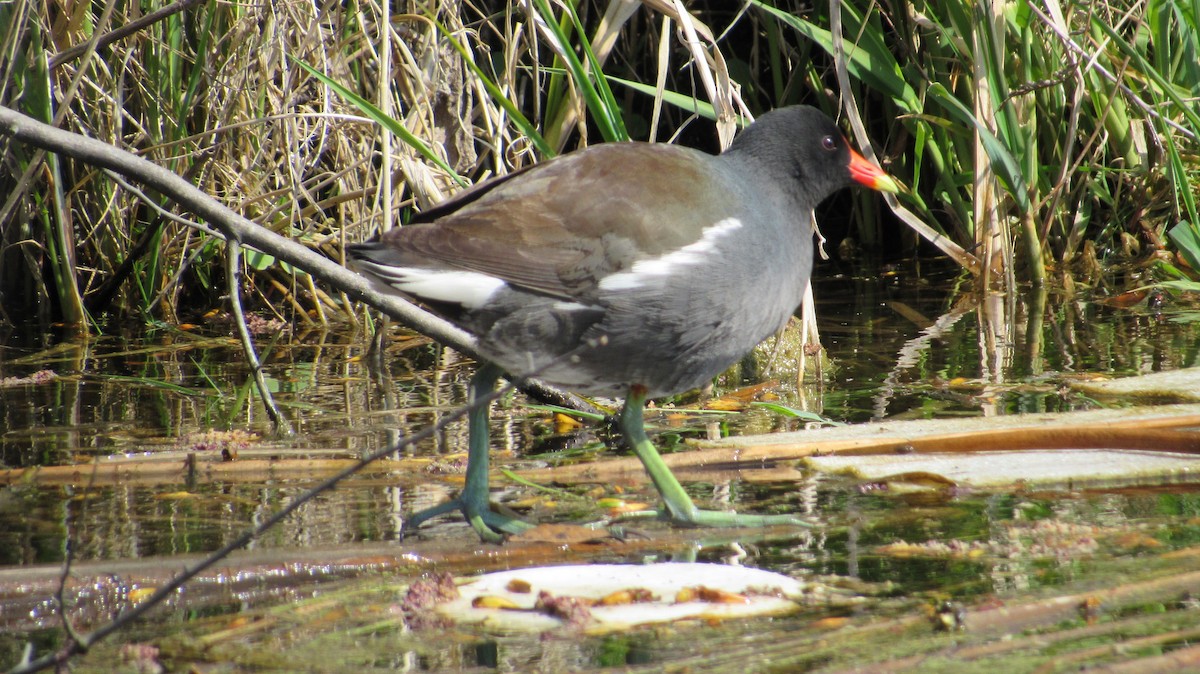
(710, 595)
(726, 405)
(517, 586)
(565, 424)
(736, 401)
(616, 506)
(628, 596)
(495, 602)
(1125, 300)
(138, 594)
(175, 496)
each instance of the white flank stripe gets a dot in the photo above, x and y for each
(693, 253)
(572, 306)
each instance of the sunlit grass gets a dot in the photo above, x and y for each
(1031, 135)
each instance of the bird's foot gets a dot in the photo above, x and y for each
(491, 525)
(677, 505)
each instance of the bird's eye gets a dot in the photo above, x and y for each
(829, 143)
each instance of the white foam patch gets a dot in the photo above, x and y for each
(691, 254)
(470, 289)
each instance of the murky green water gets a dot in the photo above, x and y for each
(906, 346)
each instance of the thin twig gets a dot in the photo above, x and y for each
(953, 250)
(233, 258)
(82, 643)
(97, 153)
(1092, 62)
(122, 32)
(60, 601)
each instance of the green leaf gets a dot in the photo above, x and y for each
(514, 113)
(259, 260)
(1006, 166)
(869, 60)
(1181, 285)
(606, 113)
(794, 413)
(682, 101)
(567, 411)
(1186, 238)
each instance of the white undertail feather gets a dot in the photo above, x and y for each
(469, 289)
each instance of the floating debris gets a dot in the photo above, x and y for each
(599, 598)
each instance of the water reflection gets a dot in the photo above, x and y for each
(904, 349)
(914, 343)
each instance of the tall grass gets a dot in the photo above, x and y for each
(1047, 139)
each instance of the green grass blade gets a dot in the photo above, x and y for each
(393, 125)
(869, 60)
(595, 92)
(1169, 90)
(1006, 166)
(37, 100)
(792, 412)
(556, 409)
(1186, 237)
(682, 101)
(527, 128)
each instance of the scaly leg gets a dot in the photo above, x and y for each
(678, 505)
(473, 501)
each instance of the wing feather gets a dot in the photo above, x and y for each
(559, 229)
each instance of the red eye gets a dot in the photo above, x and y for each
(829, 143)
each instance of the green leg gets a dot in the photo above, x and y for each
(473, 501)
(679, 507)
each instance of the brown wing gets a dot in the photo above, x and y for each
(559, 227)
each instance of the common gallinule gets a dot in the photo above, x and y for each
(631, 269)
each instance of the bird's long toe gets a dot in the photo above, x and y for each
(491, 526)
